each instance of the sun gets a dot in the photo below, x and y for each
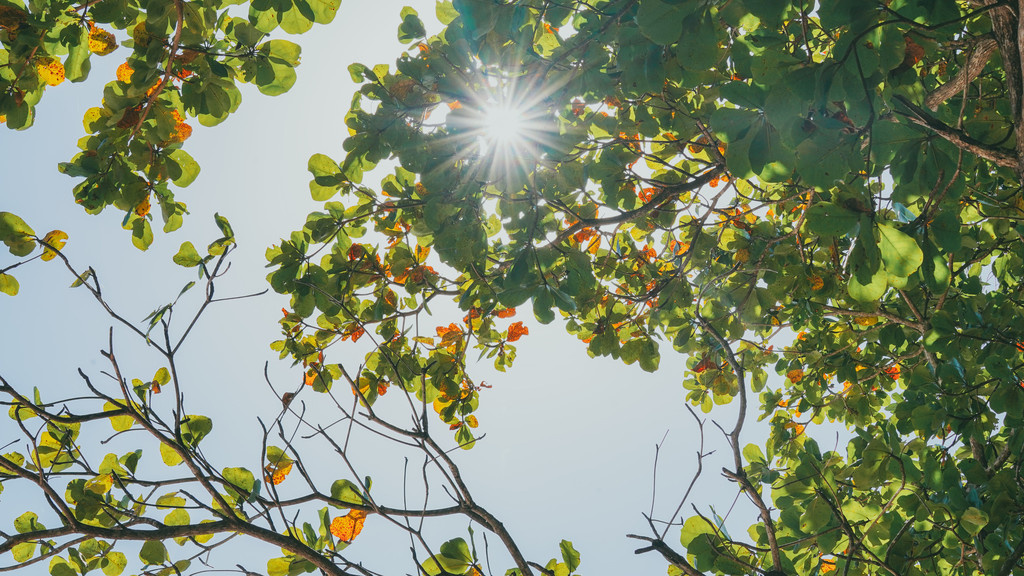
(504, 125)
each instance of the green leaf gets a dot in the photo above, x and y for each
(27, 522)
(945, 229)
(346, 491)
(454, 557)
(662, 21)
(8, 284)
(177, 517)
(411, 27)
(974, 520)
(162, 376)
(278, 566)
(169, 455)
(187, 256)
(142, 234)
(283, 50)
(815, 517)
(113, 563)
(14, 232)
(194, 428)
(240, 477)
(24, 551)
(153, 552)
(693, 527)
(900, 253)
(60, 567)
(327, 177)
(324, 11)
(224, 225)
(187, 168)
(569, 555)
(118, 423)
(828, 219)
(170, 500)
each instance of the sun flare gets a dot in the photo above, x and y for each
(504, 125)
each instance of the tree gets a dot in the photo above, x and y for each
(828, 191)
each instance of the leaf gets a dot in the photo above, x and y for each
(900, 253)
(662, 21)
(194, 428)
(8, 284)
(24, 551)
(693, 527)
(56, 239)
(169, 455)
(240, 477)
(974, 520)
(113, 563)
(569, 555)
(327, 177)
(346, 528)
(16, 234)
(82, 278)
(346, 491)
(187, 168)
(454, 557)
(142, 234)
(187, 256)
(411, 27)
(177, 517)
(828, 219)
(60, 567)
(153, 552)
(224, 225)
(118, 423)
(27, 522)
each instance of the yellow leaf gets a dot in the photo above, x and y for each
(142, 208)
(471, 421)
(56, 239)
(346, 528)
(92, 115)
(50, 70)
(101, 42)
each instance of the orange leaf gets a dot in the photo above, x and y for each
(705, 363)
(517, 331)
(346, 528)
(276, 474)
(124, 73)
(506, 313)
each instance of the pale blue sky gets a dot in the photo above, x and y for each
(570, 440)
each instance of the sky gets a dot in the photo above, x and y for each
(570, 440)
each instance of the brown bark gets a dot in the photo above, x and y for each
(1006, 27)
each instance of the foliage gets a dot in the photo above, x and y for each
(829, 191)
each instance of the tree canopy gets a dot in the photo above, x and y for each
(818, 203)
